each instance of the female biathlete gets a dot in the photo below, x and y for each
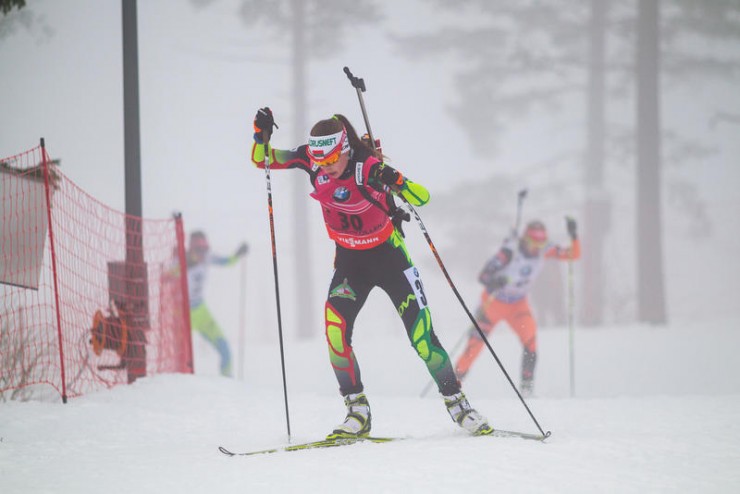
(508, 278)
(354, 189)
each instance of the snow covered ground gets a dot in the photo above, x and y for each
(656, 410)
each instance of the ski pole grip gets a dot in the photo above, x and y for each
(357, 82)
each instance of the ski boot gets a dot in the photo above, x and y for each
(357, 422)
(466, 416)
(526, 388)
(529, 359)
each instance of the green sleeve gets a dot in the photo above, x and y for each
(416, 194)
(280, 159)
(258, 154)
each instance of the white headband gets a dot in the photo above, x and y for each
(322, 147)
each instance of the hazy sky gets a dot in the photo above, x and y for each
(202, 76)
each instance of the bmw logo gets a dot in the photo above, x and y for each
(341, 194)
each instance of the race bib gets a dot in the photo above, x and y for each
(412, 274)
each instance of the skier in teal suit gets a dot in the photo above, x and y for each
(199, 258)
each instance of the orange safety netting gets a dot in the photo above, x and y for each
(89, 296)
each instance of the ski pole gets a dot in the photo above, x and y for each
(266, 140)
(359, 85)
(360, 88)
(470, 315)
(571, 335)
(520, 199)
(521, 195)
(242, 314)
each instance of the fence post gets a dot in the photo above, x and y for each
(47, 187)
(187, 336)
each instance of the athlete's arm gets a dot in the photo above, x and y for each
(415, 194)
(490, 275)
(281, 159)
(219, 260)
(565, 253)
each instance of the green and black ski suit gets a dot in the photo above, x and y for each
(359, 215)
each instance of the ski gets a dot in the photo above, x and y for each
(521, 435)
(323, 443)
(345, 441)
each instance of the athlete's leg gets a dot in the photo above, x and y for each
(202, 322)
(475, 342)
(487, 316)
(348, 292)
(525, 326)
(401, 281)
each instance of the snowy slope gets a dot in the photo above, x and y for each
(645, 429)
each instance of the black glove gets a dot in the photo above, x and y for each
(263, 124)
(497, 282)
(570, 224)
(398, 217)
(242, 250)
(389, 176)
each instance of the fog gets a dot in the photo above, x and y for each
(203, 73)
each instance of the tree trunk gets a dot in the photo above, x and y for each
(301, 235)
(650, 289)
(597, 211)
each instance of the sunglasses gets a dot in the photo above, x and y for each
(534, 243)
(329, 160)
